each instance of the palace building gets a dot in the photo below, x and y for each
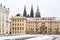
(28, 24)
(4, 18)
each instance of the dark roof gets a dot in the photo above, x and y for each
(17, 14)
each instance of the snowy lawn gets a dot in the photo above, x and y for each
(31, 37)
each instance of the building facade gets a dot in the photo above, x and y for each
(23, 25)
(27, 24)
(4, 17)
(18, 25)
(34, 25)
(42, 26)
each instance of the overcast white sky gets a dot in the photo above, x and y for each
(47, 7)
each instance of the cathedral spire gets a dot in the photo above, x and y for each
(4, 6)
(37, 9)
(37, 13)
(25, 13)
(0, 5)
(32, 13)
(28, 15)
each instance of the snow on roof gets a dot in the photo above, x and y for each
(42, 18)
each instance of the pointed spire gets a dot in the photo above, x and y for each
(8, 8)
(25, 13)
(28, 15)
(0, 5)
(32, 13)
(4, 6)
(37, 9)
(37, 13)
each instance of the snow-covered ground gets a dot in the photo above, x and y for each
(46, 37)
(30, 37)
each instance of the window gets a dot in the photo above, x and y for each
(20, 20)
(12, 31)
(22, 28)
(7, 18)
(15, 28)
(17, 20)
(15, 31)
(22, 24)
(0, 30)
(29, 28)
(48, 28)
(36, 25)
(3, 30)
(13, 24)
(12, 28)
(55, 28)
(33, 28)
(29, 25)
(26, 25)
(33, 25)
(13, 20)
(2, 18)
(36, 28)
(2, 24)
(18, 24)
(26, 28)
(6, 24)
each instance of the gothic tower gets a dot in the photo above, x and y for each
(37, 12)
(32, 13)
(28, 15)
(25, 13)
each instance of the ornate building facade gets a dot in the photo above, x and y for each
(23, 25)
(4, 17)
(34, 25)
(27, 24)
(18, 25)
